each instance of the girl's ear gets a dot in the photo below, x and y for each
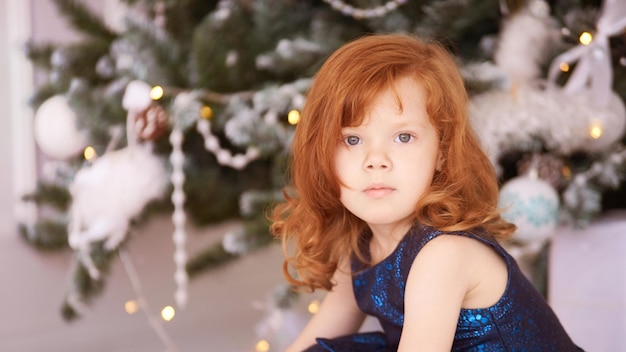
(440, 160)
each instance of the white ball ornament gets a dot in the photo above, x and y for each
(532, 205)
(56, 132)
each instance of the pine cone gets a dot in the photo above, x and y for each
(151, 123)
(549, 168)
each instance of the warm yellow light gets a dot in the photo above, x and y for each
(89, 153)
(314, 306)
(156, 93)
(167, 313)
(262, 346)
(595, 129)
(596, 132)
(585, 38)
(566, 172)
(293, 117)
(564, 67)
(131, 307)
(206, 112)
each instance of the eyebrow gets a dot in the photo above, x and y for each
(405, 123)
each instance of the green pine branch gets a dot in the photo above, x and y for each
(212, 257)
(43, 93)
(52, 194)
(84, 20)
(45, 234)
(256, 235)
(162, 49)
(39, 54)
(85, 289)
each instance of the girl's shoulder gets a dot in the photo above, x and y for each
(465, 247)
(478, 271)
(469, 248)
(461, 248)
(420, 236)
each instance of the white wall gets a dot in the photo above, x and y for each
(17, 157)
(21, 20)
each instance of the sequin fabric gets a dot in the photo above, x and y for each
(520, 321)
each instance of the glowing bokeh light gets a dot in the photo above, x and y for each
(89, 153)
(131, 306)
(314, 306)
(167, 313)
(595, 129)
(206, 112)
(156, 93)
(293, 117)
(585, 38)
(262, 346)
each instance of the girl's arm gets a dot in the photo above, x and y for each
(450, 272)
(338, 314)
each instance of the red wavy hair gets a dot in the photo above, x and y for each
(316, 229)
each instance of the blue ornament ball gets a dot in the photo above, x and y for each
(532, 205)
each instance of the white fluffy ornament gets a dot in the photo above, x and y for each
(137, 96)
(565, 122)
(56, 131)
(524, 41)
(532, 205)
(108, 194)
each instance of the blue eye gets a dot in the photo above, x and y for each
(404, 138)
(352, 140)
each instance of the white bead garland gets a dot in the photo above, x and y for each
(373, 12)
(224, 156)
(177, 158)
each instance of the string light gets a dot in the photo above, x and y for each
(262, 346)
(293, 117)
(131, 307)
(90, 153)
(206, 112)
(314, 306)
(566, 172)
(168, 313)
(595, 130)
(564, 67)
(156, 93)
(585, 38)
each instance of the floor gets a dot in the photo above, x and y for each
(587, 281)
(225, 306)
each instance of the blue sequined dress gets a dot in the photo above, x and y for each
(520, 321)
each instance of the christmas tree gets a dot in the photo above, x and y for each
(189, 108)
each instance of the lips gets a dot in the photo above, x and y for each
(378, 190)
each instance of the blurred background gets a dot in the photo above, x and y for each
(143, 142)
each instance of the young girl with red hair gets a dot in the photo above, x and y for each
(392, 208)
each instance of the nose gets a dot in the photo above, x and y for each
(377, 160)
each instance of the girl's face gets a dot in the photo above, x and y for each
(387, 163)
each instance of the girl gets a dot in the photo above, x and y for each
(392, 209)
